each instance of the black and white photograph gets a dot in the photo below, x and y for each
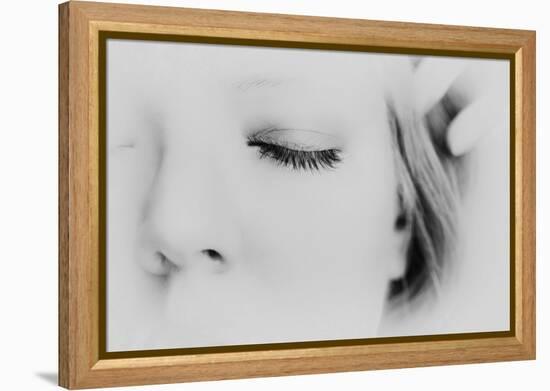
(265, 195)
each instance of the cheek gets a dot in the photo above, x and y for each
(343, 210)
(328, 234)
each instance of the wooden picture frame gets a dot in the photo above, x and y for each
(83, 362)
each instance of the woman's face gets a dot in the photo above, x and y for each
(251, 195)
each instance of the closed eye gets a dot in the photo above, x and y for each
(297, 159)
(126, 146)
(119, 147)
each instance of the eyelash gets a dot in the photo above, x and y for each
(297, 159)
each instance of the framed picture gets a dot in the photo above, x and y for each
(247, 194)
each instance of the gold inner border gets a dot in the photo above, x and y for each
(104, 35)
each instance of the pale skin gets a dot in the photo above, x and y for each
(218, 241)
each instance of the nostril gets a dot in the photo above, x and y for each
(213, 254)
(164, 265)
(157, 263)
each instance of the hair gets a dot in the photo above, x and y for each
(428, 197)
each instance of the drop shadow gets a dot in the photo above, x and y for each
(49, 377)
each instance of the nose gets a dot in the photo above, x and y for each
(188, 219)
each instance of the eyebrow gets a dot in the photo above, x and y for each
(255, 83)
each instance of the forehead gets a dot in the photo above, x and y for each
(249, 69)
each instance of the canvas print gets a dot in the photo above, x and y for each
(264, 195)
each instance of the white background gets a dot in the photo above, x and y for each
(28, 197)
